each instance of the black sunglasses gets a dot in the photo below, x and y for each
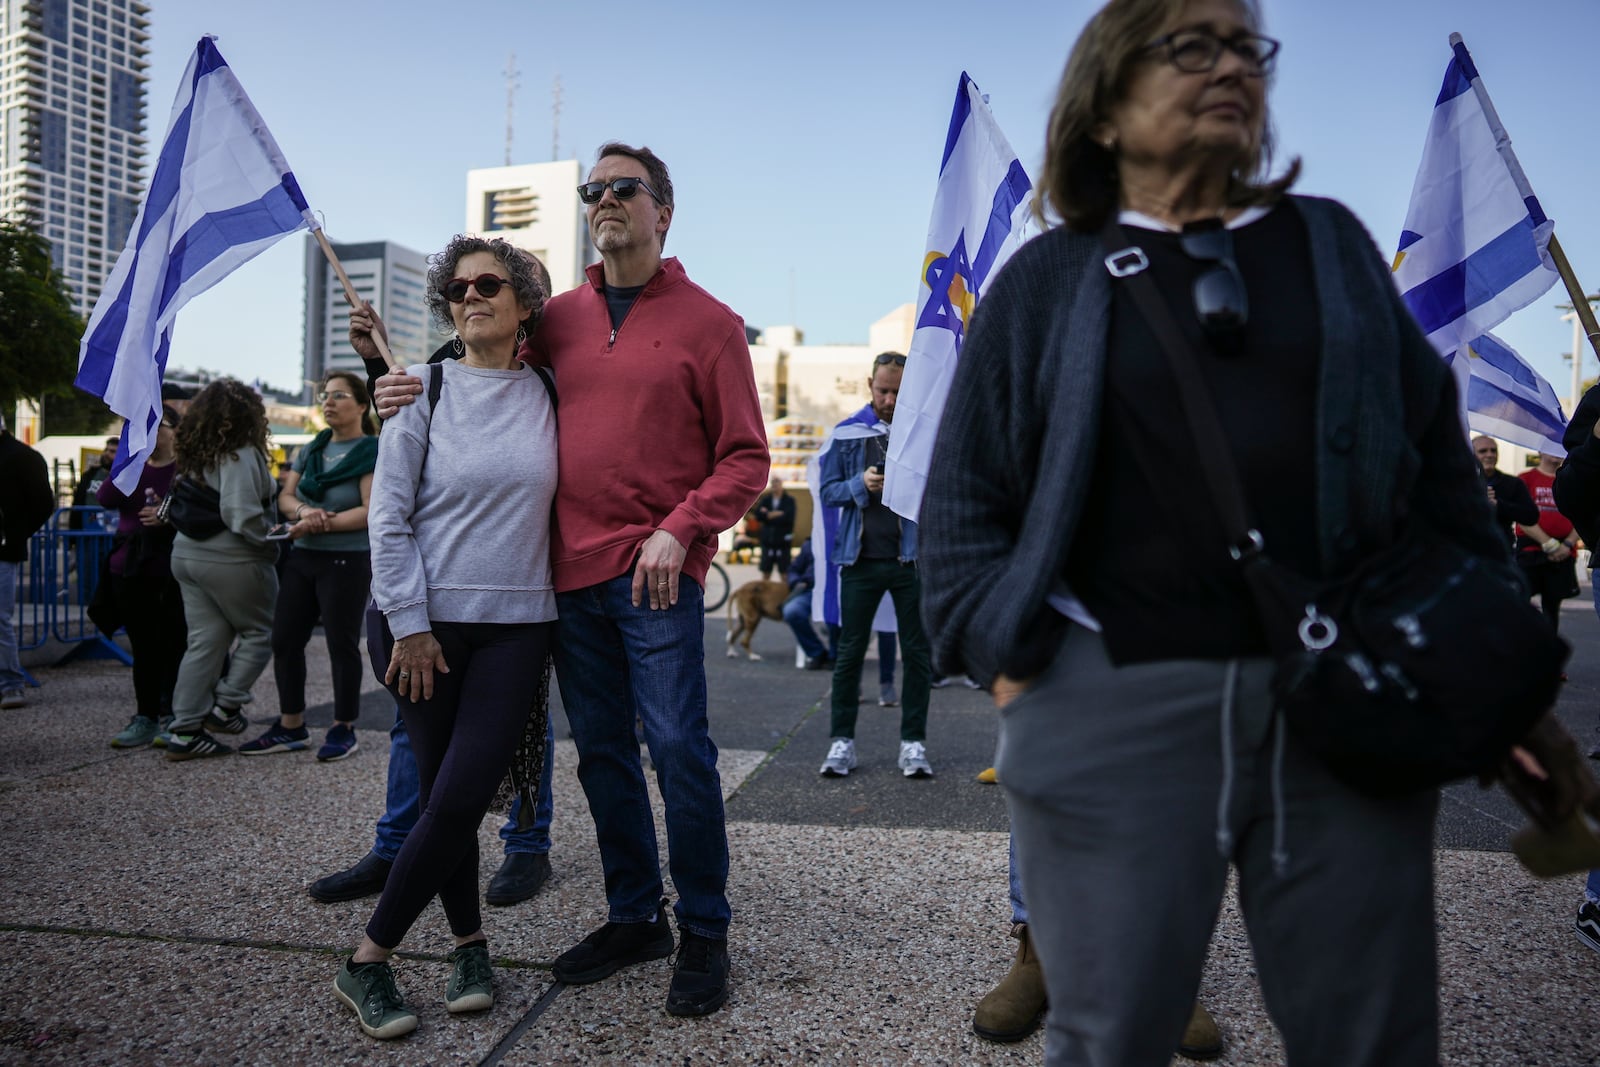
(455, 290)
(621, 188)
(890, 357)
(1220, 300)
(1198, 51)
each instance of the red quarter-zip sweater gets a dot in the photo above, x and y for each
(659, 425)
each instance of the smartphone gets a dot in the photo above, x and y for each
(279, 532)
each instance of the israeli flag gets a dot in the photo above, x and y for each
(1506, 398)
(981, 215)
(1474, 247)
(825, 526)
(221, 194)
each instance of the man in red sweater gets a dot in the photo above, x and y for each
(662, 447)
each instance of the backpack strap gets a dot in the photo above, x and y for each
(549, 386)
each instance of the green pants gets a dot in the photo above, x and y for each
(861, 586)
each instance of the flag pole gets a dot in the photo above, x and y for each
(351, 297)
(1580, 303)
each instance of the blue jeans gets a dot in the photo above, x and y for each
(10, 662)
(1591, 888)
(403, 800)
(797, 613)
(618, 664)
(1019, 911)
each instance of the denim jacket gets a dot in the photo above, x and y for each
(844, 487)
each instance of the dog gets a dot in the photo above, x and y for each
(753, 601)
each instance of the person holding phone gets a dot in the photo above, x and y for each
(329, 570)
(877, 553)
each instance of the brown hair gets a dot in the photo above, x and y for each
(224, 417)
(660, 180)
(1079, 181)
(358, 389)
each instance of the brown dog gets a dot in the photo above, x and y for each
(753, 601)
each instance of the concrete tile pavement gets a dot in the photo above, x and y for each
(153, 912)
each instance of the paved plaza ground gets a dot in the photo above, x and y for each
(155, 912)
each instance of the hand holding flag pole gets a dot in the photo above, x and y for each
(353, 298)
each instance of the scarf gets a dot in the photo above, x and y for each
(314, 481)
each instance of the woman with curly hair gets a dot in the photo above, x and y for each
(328, 572)
(228, 581)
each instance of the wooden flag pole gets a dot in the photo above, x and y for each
(354, 299)
(1580, 302)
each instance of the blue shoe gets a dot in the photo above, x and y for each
(278, 739)
(340, 742)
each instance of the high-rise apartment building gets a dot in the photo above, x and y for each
(394, 278)
(72, 129)
(535, 207)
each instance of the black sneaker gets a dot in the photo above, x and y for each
(1588, 925)
(226, 720)
(699, 976)
(363, 880)
(196, 746)
(614, 946)
(521, 876)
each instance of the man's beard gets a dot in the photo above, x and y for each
(612, 238)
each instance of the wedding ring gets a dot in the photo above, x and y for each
(405, 674)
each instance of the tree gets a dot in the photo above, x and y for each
(39, 333)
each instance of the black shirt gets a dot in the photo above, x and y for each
(880, 527)
(1150, 558)
(619, 298)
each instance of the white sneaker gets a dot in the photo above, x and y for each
(841, 758)
(914, 760)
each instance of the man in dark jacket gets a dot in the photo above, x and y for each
(1577, 492)
(776, 512)
(1509, 495)
(26, 501)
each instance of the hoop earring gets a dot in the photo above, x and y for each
(457, 346)
(522, 336)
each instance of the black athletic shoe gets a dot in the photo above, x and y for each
(521, 876)
(699, 976)
(363, 880)
(614, 946)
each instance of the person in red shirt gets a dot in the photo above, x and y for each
(1548, 549)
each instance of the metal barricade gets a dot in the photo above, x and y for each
(64, 571)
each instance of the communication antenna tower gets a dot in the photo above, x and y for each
(511, 100)
(555, 119)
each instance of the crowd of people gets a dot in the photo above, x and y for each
(1071, 560)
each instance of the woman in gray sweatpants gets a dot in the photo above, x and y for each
(228, 581)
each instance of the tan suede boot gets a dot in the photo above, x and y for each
(1013, 1009)
(1202, 1040)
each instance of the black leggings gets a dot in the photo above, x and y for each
(152, 612)
(332, 586)
(463, 738)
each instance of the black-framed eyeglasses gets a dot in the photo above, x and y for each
(1197, 51)
(1220, 300)
(337, 394)
(455, 290)
(886, 358)
(621, 188)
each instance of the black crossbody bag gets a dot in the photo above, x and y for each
(1423, 666)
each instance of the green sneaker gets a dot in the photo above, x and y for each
(368, 989)
(140, 731)
(471, 986)
(163, 733)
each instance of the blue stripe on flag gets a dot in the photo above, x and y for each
(1469, 69)
(1508, 363)
(1481, 277)
(208, 59)
(1485, 398)
(1456, 82)
(217, 232)
(958, 119)
(1013, 190)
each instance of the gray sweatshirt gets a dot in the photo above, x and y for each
(464, 534)
(244, 483)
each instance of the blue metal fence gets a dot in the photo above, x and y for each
(57, 584)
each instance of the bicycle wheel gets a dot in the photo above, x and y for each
(716, 587)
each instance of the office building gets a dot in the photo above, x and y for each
(72, 129)
(535, 207)
(394, 278)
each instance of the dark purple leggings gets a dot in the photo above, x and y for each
(463, 739)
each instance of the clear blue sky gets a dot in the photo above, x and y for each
(804, 140)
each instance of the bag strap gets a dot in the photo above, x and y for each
(1127, 261)
(549, 386)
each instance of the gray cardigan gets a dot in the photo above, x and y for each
(1016, 444)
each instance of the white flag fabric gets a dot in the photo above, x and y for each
(981, 215)
(1474, 247)
(1506, 398)
(221, 194)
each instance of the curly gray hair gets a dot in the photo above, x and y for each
(529, 279)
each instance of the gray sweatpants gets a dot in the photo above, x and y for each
(221, 601)
(1115, 778)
